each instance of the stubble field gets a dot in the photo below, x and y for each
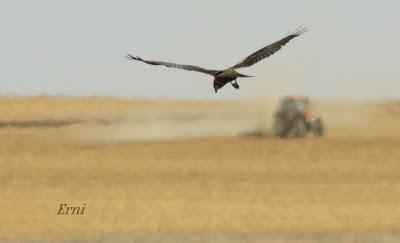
(180, 171)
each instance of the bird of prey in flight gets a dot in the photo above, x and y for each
(229, 75)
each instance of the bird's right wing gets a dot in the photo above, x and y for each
(269, 50)
(174, 65)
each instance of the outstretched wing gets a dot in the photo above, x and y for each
(269, 50)
(174, 65)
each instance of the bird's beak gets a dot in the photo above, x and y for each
(216, 90)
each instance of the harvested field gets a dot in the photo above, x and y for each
(178, 171)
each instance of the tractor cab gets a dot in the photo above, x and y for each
(296, 104)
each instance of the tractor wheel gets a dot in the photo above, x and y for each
(280, 126)
(319, 128)
(298, 129)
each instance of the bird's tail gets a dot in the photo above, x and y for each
(245, 76)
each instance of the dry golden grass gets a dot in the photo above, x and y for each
(348, 181)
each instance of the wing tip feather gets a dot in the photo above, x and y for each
(137, 58)
(299, 31)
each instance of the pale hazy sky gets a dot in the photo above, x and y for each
(77, 47)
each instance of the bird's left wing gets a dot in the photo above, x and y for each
(174, 65)
(268, 50)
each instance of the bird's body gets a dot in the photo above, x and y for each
(229, 75)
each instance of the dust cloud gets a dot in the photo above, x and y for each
(228, 120)
(233, 119)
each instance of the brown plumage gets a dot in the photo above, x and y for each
(229, 75)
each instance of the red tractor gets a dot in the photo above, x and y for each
(294, 119)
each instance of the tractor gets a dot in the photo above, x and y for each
(293, 119)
